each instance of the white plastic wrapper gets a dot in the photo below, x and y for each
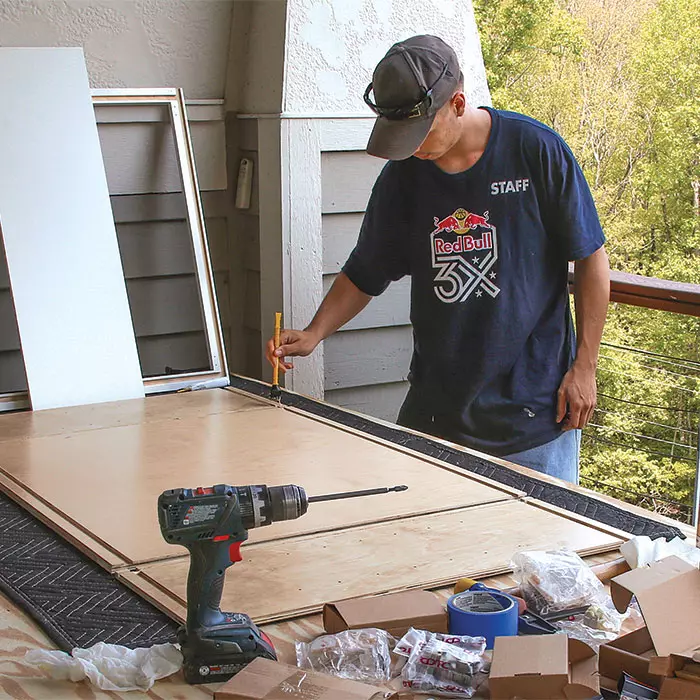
(601, 623)
(439, 664)
(642, 551)
(357, 655)
(555, 581)
(575, 629)
(109, 666)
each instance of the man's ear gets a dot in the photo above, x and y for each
(459, 102)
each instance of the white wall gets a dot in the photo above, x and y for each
(128, 43)
(334, 45)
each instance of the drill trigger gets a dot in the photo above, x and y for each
(234, 552)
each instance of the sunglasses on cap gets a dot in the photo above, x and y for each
(419, 109)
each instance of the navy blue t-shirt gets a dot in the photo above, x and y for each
(487, 250)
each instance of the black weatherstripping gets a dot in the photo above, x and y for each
(574, 502)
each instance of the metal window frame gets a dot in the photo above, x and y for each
(174, 99)
(14, 401)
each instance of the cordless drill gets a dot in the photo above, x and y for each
(212, 523)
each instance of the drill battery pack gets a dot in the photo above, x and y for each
(214, 654)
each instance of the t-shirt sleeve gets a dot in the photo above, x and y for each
(572, 215)
(380, 255)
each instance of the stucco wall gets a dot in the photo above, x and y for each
(132, 43)
(333, 46)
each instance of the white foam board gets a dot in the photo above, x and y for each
(56, 221)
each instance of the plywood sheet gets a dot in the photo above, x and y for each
(107, 481)
(114, 414)
(60, 241)
(97, 551)
(278, 580)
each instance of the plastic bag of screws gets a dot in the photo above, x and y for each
(442, 669)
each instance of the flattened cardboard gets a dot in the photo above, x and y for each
(263, 679)
(395, 613)
(668, 593)
(542, 666)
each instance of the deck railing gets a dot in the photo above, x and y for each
(658, 430)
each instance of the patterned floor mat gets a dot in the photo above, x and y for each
(75, 601)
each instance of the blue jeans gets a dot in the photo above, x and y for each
(557, 458)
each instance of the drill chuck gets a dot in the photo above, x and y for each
(287, 502)
(263, 505)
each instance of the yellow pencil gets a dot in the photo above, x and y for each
(275, 391)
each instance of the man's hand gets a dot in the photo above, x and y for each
(343, 302)
(292, 344)
(576, 399)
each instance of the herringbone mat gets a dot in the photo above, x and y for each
(72, 598)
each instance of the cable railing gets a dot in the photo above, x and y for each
(642, 451)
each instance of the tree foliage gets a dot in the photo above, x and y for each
(619, 81)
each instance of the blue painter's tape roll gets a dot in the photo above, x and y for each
(483, 613)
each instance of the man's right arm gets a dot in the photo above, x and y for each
(342, 303)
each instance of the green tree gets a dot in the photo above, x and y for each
(619, 81)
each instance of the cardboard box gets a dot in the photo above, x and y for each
(668, 594)
(395, 613)
(542, 666)
(272, 680)
(677, 689)
(671, 687)
(630, 653)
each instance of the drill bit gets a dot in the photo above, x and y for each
(355, 494)
(275, 391)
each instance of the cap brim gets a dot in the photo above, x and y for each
(398, 139)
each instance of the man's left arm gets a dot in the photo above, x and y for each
(576, 399)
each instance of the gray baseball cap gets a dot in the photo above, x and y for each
(410, 84)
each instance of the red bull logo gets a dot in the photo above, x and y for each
(461, 221)
(464, 251)
(449, 224)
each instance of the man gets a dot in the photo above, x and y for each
(483, 209)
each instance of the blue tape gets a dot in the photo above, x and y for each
(483, 613)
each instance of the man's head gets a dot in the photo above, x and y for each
(416, 91)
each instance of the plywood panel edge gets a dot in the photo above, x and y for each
(335, 529)
(145, 580)
(55, 521)
(513, 493)
(170, 604)
(94, 409)
(576, 517)
(248, 395)
(138, 582)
